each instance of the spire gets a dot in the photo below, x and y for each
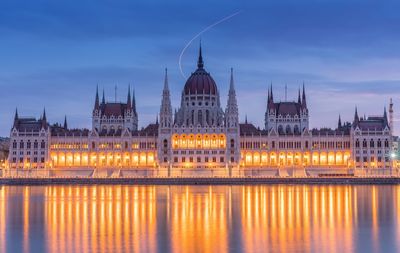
(16, 117)
(166, 108)
(200, 63)
(303, 102)
(128, 101)
(157, 120)
(232, 111)
(356, 119)
(245, 119)
(16, 114)
(166, 87)
(385, 119)
(134, 103)
(339, 122)
(96, 103)
(391, 116)
(65, 123)
(299, 98)
(44, 114)
(103, 100)
(269, 96)
(231, 84)
(44, 119)
(272, 95)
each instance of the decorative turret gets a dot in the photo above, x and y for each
(65, 123)
(303, 100)
(391, 123)
(356, 118)
(44, 119)
(15, 118)
(200, 63)
(129, 101)
(166, 108)
(232, 112)
(134, 104)
(97, 103)
(385, 118)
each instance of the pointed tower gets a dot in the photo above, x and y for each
(129, 101)
(200, 63)
(165, 127)
(303, 101)
(339, 123)
(65, 123)
(232, 124)
(391, 123)
(270, 112)
(385, 118)
(15, 118)
(166, 108)
(356, 118)
(103, 100)
(96, 101)
(44, 119)
(232, 112)
(134, 104)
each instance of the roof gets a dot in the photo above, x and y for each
(249, 129)
(287, 108)
(113, 109)
(200, 82)
(29, 124)
(57, 130)
(151, 129)
(376, 123)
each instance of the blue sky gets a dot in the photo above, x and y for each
(53, 54)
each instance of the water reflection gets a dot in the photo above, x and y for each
(272, 218)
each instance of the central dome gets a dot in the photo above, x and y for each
(200, 82)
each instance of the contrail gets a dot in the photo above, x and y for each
(197, 35)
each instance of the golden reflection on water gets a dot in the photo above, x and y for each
(278, 218)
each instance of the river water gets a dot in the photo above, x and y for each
(257, 218)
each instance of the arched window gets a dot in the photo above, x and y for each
(288, 129)
(371, 143)
(232, 143)
(165, 143)
(207, 117)
(296, 129)
(200, 117)
(364, 143)
(42, 144)
(379, 143)
(358, 143)
(21, 144)
(192, 117)
(280, 129)
(35, 144)
(14, 144)
(386, 143)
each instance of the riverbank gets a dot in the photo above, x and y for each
(200, 181)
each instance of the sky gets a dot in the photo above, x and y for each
(54, 53)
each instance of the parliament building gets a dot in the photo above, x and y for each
(202, 138)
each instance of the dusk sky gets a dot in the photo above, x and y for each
(53, 55)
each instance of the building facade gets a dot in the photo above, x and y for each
(203, 138)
